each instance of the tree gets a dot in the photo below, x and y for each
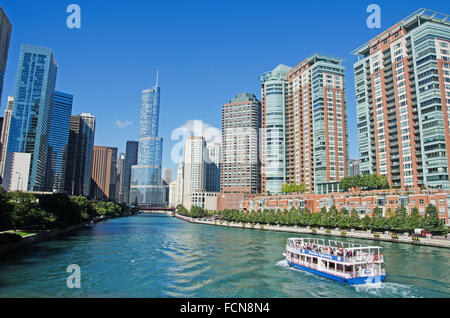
(66, 211)
(432, 222)
(302, 187)
(5, 211)
(26, 211)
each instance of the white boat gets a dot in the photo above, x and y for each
(341, 261)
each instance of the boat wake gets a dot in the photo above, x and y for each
(283, 264)
(386, 289)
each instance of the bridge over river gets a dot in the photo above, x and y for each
(156, 210)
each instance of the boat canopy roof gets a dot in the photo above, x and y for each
(339, 244)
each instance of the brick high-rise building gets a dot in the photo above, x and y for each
(316, 124)
(402, 82)
(79, 154)
(241, 124)
(104, 173)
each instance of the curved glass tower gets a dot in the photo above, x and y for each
(274, 88)
(146, 186)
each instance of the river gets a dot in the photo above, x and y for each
(160, 256)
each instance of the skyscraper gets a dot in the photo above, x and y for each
(104, 173)
(58, 135)
(274, 95)
(212, 167)
(120, 178)
(167, 175)
(316, 122)
(166, 180)
(402, 100)
(176, 188)
(131, 156)
(29, 130)
(241, 124)
(5, 133)
(146, 185)
(194, 167)
(5, 38)
(79, 154)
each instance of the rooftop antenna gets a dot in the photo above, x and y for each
(157, 77)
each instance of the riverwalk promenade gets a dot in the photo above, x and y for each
(368, 235)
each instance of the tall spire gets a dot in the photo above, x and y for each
(157, 77)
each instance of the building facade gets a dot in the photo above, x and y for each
(317, 138)
(120, 178)
(79, 154)
(354, 168)
(5, 133)
(274, 103)
(363, 203)
(33, 99)
(176, 188)
(212, 167)
(131, 156)
(16, 176)
(5, 39)
(58, 141)
(104, 173)
(241, 127)
(146, 184)
(403, 99)
(194, 167)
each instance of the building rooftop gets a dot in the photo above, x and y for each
(417, 17)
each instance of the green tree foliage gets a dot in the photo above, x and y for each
(197, 212)
(366, 182)
(25, 210)
(6, 222)
(432, 223)
(293, 188)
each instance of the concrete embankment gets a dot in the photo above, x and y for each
(41, 236)
(444, 242)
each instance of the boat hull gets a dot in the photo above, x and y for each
(350, 281)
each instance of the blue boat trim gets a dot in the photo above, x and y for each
(351, 281)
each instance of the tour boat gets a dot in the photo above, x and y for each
(341, 261)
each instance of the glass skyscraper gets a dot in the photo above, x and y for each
(29, 130)
(5, 38)
(58, 141)
(274, 92)
(131, 156)
(146, 184)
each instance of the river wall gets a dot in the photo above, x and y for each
(41, 236)
(368, 235)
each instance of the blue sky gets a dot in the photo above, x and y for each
(206, 51)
